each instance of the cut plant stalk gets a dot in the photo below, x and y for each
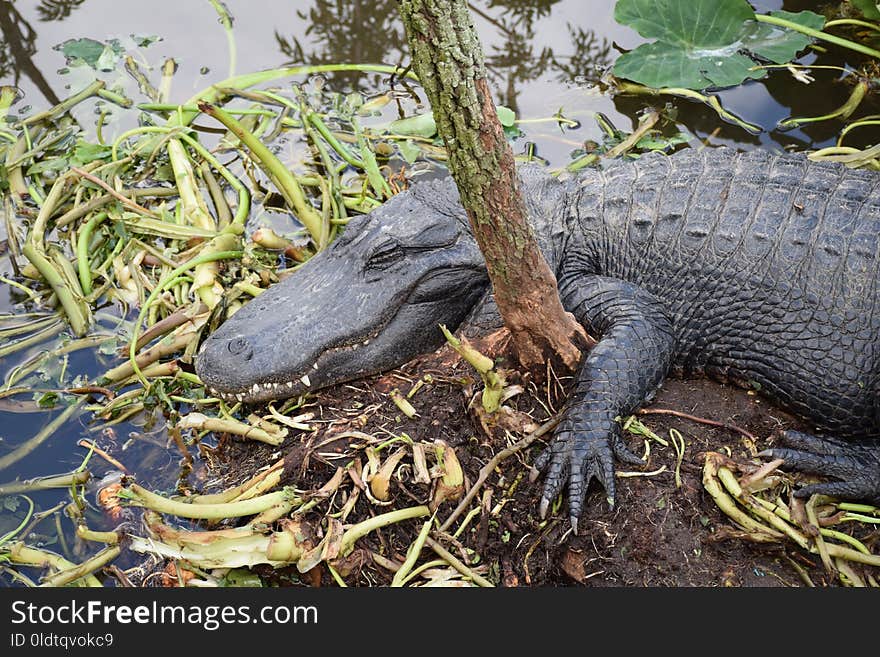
(223, 548)
(44, 434)
(201, 422)
(136, 495)
(277, 172)
(493, 382)
(45, 483)
(24, 555)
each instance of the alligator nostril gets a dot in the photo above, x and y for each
(240, 347)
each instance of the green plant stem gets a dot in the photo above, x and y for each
(412, 555)
(66, 104)
(84, 569)
(82, 251)
(44, 434)
(844, 111)
(217, 92)
(113, 97)
(45, 483)
(139, 496)
(352, 534)
(75, 311)
(244, 196)
(272, 166)
(226, 21)
(852, 21)
(208, 257)
(453, 561)
(21, 554)
(817, 34)
(194, 209)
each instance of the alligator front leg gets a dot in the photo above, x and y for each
(856, 467)
(626, 366)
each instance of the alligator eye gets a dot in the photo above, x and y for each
(385, 255)
(240, 347)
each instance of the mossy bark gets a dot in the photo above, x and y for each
(448, 58)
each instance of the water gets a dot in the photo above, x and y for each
(543, 57)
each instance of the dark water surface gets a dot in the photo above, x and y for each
(543, 56)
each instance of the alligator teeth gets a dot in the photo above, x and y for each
(315, 367)
(255, 388)
(290, 384)
(239, 397)
(305, 380)
(365, 342)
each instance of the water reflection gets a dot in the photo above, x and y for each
(515, 34)
(19, 42)
(354, 31)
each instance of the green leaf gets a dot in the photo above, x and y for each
(98, 55)
(87, 50)
(687, 23)
(704, 43)
(868, 8)
(409, 151)
(777, 44)
(51, 164)
(420, 125)
(663, 65)
(46, 400)
(505, 115)
(84, 152)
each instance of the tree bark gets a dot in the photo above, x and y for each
(448, 58)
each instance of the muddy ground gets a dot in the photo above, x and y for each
(657, 535)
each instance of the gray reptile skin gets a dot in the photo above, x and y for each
(753, 268)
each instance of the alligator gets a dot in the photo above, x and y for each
(754, 268)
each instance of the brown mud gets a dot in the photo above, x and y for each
(658, 534)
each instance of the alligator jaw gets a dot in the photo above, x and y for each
(273, 390)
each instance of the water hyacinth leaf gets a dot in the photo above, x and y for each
(704, 43)
(868, 8)
(98, 55)
(84, 152)
(44, 166)
(777, 44)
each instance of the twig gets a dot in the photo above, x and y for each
(453, 561)
(489, 468)
(91, 445)
(701, 420)
(121, 198)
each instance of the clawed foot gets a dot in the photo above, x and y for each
(857, 467)
(577, 456)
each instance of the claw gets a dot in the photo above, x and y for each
(543, 459)
(574, 525)
(856, 466)
(543, 507)
(622, 452)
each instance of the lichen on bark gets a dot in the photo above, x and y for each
(448, 58)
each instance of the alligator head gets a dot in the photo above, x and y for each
(369, 302)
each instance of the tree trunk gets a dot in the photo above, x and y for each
(448, 58)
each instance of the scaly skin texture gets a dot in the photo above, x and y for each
(755, 268)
